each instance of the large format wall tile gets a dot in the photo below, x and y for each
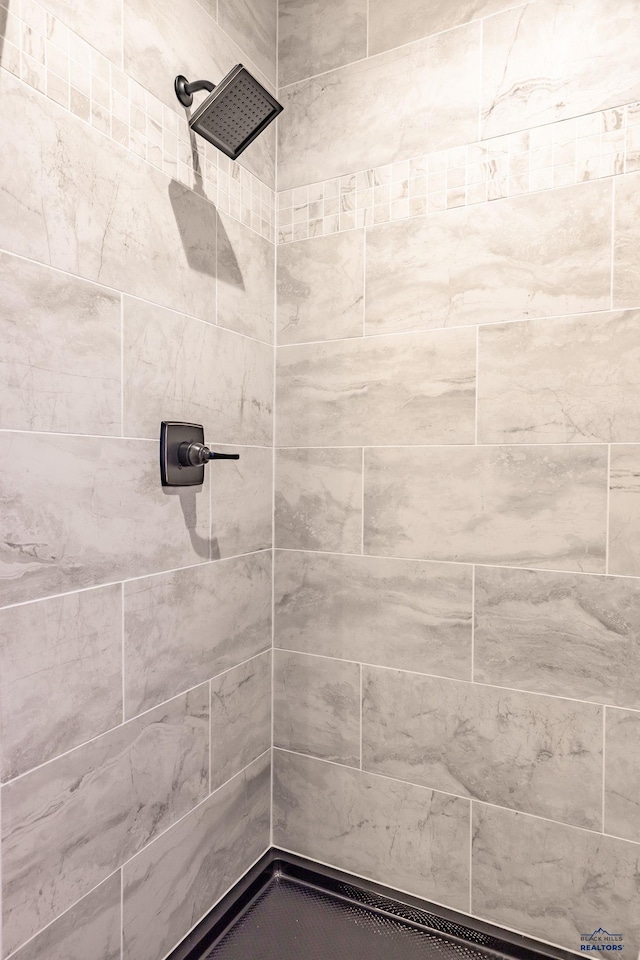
(184, 627)
(382, 390)
(246, 266)
(90, 511)
(317, 707)
(60, 366)
(313, 38)
(69, 824)
(396, 833)
(552, 880)
(538, 754)
(520, 506)
(550, 60)
(178, 368)
(88, 931)
(622, 774)
(253, 24)
(240, 717)
(414, 100)
(564, 634)
(397, 613)
(242, 502)
(175, 881)
(392, 24)
(98, 24)
(626, 250)
(60, 675)
(560, 380)
(624, 510)
(318, 499)
(321, 288)
(164, 252)
(544, 254)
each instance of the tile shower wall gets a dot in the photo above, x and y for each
(457, 592)
(136, 284)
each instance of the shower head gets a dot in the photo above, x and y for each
(234, 114)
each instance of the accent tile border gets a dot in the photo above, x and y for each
(44, 53)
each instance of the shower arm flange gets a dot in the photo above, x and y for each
(185, 90)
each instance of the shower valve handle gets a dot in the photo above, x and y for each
(194, 454)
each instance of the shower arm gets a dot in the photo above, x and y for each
(185, 90)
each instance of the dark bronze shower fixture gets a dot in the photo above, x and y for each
(183, 454)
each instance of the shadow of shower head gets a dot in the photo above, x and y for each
(236, 112)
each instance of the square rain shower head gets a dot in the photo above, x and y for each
(235, 113)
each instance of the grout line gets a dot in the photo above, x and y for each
(121, 365)
(607, 511)
(210, 731)
(361, 728)
(604, 765)
(473, 621)
(362, 504)
(121, 913)
(471, 856)
(122, 615)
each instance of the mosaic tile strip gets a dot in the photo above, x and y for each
(558, 154)
(44, 53)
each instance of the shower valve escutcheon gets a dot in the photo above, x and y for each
(183, 454)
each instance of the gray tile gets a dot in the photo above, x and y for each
(626, 254)
(553, 881)
(175, 881)
(550, 381)
(396, 833)
(318, 499)
(545, 254)
(101, 26)
(177, 368)
(360, 115)
(397, 613)
(537, 754)
(246, 267)
(88, 931)
(69, 824)
(316, 37)
(242, 502)
(321, 288)
(60, 369)
(519, 506)
(624, 510)
(565, 634)
(92, 512)
(240, 717)
(392, 24)
(381, 390)
(622, 774)
(550, 60)
(65, 653)
(316, 704)
(253, 24)
(184, 627)
(170, 243)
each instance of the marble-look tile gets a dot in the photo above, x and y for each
(315, 37)
(561, 380)
(553, 881)
(246, 266)
(396, 613)
(316, 705)
(92, 512)
(240, 717)
(321, 288)
(67, 199)
(550, 60)
(253, 24)
(624, 510)
(60, 365)
(184, 627)
(626, 250)
(564, 634)
(99, 24)
(520, 506)
(396, 833)
(242, 503)
(60, 674)
(69, 824)
(415, 389)
(622, 774)
(175, 881)
(537, 754)
(178, 368)
(318, 499)
(392, 24)
(545, 254)
(417, 99)
(88, 931)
